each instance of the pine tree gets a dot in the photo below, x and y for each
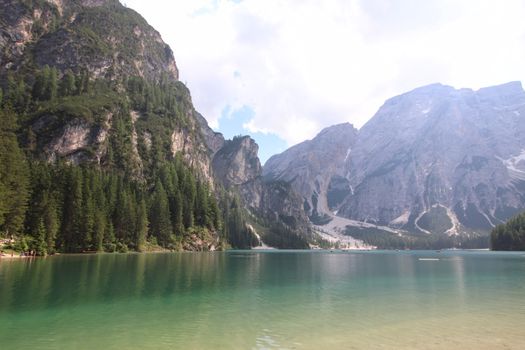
(142, 225)
(176, 208)
(99, 230)
(82, 83)
(52, 88)
(31, 141)
(109, 237)
(40, 245)
(39, 86)
(17, 96)
(14, 176)
(88, 211)
(214, 214)
(101, 213)
(201, 206)
(188, 193)
(3, 203)
(124, 218)
(160, 223)
(51, 224)
(72, 215)
(67, 84)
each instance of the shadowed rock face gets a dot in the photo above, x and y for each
(110, 43)
(237, 162)
(102, 36)
(236, 165)
(315, 168)
(440, 147)
(435, 159)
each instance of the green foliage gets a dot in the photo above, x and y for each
(161, 226)
(75, 209)
(235, 223)
(166, 99)
(118, 202)
(388, 240)
(14, 177)
(142, 225)
(68, 84)
(46, 84)
(509, 236)
(17, 96)
(121, 144)
(281, 236)
(90, 108)
(436, 220)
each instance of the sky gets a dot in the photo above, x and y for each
(281, 71)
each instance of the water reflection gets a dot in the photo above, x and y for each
(258, 299)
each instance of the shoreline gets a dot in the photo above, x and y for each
(17, 256)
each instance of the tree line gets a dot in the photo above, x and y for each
(509, 236)
(58, 207)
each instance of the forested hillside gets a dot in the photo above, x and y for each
(100, 147)
(509, 236)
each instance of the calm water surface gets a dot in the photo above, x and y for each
(258, 300)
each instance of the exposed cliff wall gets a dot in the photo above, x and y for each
(437, 147)
(125, 100)
(237, 166)
(104, 37)
(315, 169)
(433, 160)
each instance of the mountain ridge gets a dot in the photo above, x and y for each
(434, 159)
(96, 95)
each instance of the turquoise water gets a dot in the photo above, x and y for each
(257, 300)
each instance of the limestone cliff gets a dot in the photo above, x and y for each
(438, 159)
(237, 166)
(126, 63)
(96, 84)
(315, 169)
(433, 160)
(102, 36)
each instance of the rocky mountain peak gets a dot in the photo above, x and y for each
(237, 161)
(505, 95)
(100, 36)
(97, 85)
(435, 159)
(338, 130)
(438, 146)
(61, 4)
(315, 168)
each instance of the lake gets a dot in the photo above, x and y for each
(264, 300)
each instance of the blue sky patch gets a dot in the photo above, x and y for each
(231, 124)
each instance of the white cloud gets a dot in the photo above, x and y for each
(304, 65)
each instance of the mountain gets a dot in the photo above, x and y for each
(238, 167)
(92, 93)
(433, 160)
(315, 168)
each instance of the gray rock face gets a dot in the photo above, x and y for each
(236, 165)
(102, 36)
(437, 147)
(315, 168)
(434, 160)
(237, 162)
(213, 140)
